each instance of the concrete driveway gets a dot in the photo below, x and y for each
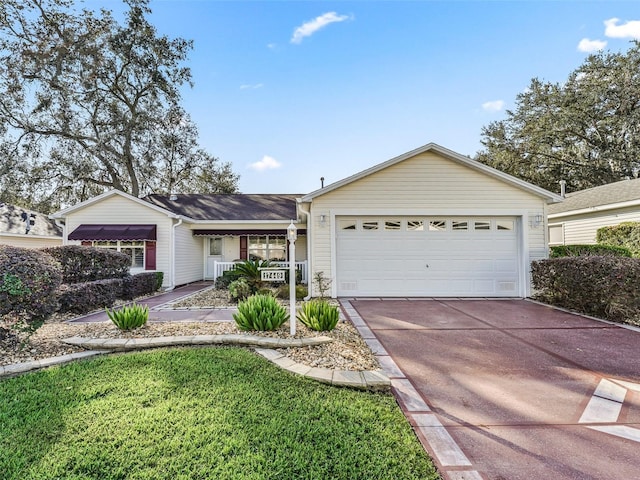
(510, 389)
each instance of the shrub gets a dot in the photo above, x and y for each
(28, 282)
(319, 315)
(239, 290)
(86, 264)
(603, 286)
(159, 280)
(558, 251)
(260, 312)
(283, 292)
(627, 234)
(224, 280)
(129, 316)
(322, 283)
(140, 284)
(88, 296)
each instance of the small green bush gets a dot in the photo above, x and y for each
(129, 316)
(283, 292)
(603, 286)
(558, 251)
(239, 290)
(159, 280)
(87, 264)
(626, 234)
(224, 280)
(28, 283)
(260, 312)
(319, 315)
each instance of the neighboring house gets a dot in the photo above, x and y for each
(430, 222)
(20, 227)
(577, 219)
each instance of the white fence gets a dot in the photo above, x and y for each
(220, 267)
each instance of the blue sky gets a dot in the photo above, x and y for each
(291, 91)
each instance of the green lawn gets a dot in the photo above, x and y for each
(209, 413)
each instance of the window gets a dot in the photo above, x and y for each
(457, 225)
(347, 224)
(215, 246)
(370, 225)
(415, 225)
(135, 249)
(268, 248)
(437, 225)
(482, 225)
(504, 224)
(392, 225)
(556, 234)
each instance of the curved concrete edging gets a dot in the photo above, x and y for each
(365, 380)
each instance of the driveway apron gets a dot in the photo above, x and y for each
(511, 389)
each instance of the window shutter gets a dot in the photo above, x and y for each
(243, 247)
(86, 243)
(150, 255)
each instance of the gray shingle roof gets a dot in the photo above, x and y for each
(623, 191)
(236, 207)
(20, 220)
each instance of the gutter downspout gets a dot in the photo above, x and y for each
(173, 254)
(307, 213)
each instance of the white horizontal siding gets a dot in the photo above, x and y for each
(189, 256)
(32, 241)
(582, 229)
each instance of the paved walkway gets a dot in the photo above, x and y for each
(510, 389)
(161, 310)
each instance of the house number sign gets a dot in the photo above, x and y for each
(272, 275)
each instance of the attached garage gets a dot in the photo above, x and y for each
(429, 223)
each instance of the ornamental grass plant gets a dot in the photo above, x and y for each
(319, 315)
(129, 316)
(260, 312)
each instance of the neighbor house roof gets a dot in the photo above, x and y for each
(612, 195)
(22, 221)
(451, 155)
(229, 207)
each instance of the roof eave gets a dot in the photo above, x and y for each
(596, 208)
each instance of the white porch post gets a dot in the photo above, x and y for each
(292, 236)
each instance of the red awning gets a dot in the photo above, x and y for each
(114, 232)
(252, 231)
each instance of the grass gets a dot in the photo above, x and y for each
(209, 413)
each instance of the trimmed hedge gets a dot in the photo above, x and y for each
(558, 251)
(89, 296)
(28, 282)
(87, 264)
(602, 286)
(627, 234)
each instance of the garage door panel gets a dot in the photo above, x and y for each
(428, 263)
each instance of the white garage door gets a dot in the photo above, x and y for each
(436, 256)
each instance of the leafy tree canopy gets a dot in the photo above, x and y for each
(585, 131)
(89, 104)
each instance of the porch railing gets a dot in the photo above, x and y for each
(220, 267)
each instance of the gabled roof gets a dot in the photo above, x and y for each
(22, 221)
(229, 207)
(63, 213)
(449, 154)
(612, 195)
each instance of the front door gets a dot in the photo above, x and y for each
(214, 254)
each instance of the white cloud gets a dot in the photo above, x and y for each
(630, 29)
(493, 106)
(590, 46)
(267, 163)
(312, 26)
(251, 87)
(271, 46)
